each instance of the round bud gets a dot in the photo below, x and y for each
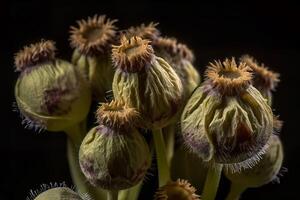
(180, 57)
(177, 190)
(114, 155)
(265, 171)
(50, 93)
(264, 79)
(59, 193)
(92, 40)
(146, 82)
(226, 119)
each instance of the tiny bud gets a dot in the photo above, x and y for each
(180, 57)
(177, 190)
(149, 32)
(264, 79)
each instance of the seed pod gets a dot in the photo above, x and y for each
(177, 190)
(50, 93)
(146, 82)
(114, 155)
(227, 120)
(264, 79)
(180, 58)
(265, 171)
(92, 41)
(149, 32)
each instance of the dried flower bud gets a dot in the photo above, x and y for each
(149, 32)
(55, 191)
(59, 193)
(114, 155)
(264, 79)
(265, 171)
(226, 119)
(92, 41)
(50, 93)
(177, 190)
(180, 58)
(146, 82)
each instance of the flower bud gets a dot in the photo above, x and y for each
(50, 93)
(177, 190)
(265, 171)
(55, 191)
(264, 79)
(92, 41)
(149, 32)
(180, 58)
(146, 82)
(114, 155)
(226, 119)
(59, 193)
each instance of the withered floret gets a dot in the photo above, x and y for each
(133, 54)
(35, 53)
(177, 190)
(93, 35)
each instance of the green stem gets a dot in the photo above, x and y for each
(162, 162)
(169, 136)
(212, 182)
(235, 191)
(75, 137)
(112, 195)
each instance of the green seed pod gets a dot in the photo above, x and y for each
(180, 58)
(177, 190)
(227, 120)
(50, 93)
(146, 82)
(92, 41)
(264, 79)
(149, 32)
(114, 155)
(265, 171)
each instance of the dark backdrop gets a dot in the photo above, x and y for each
(268, 31)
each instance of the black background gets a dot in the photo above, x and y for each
(268, 31)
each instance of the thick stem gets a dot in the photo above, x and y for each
(162, 162)
(169, 136)
(112, 195)
(212, 182)
(235, 192)
(75, 136)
